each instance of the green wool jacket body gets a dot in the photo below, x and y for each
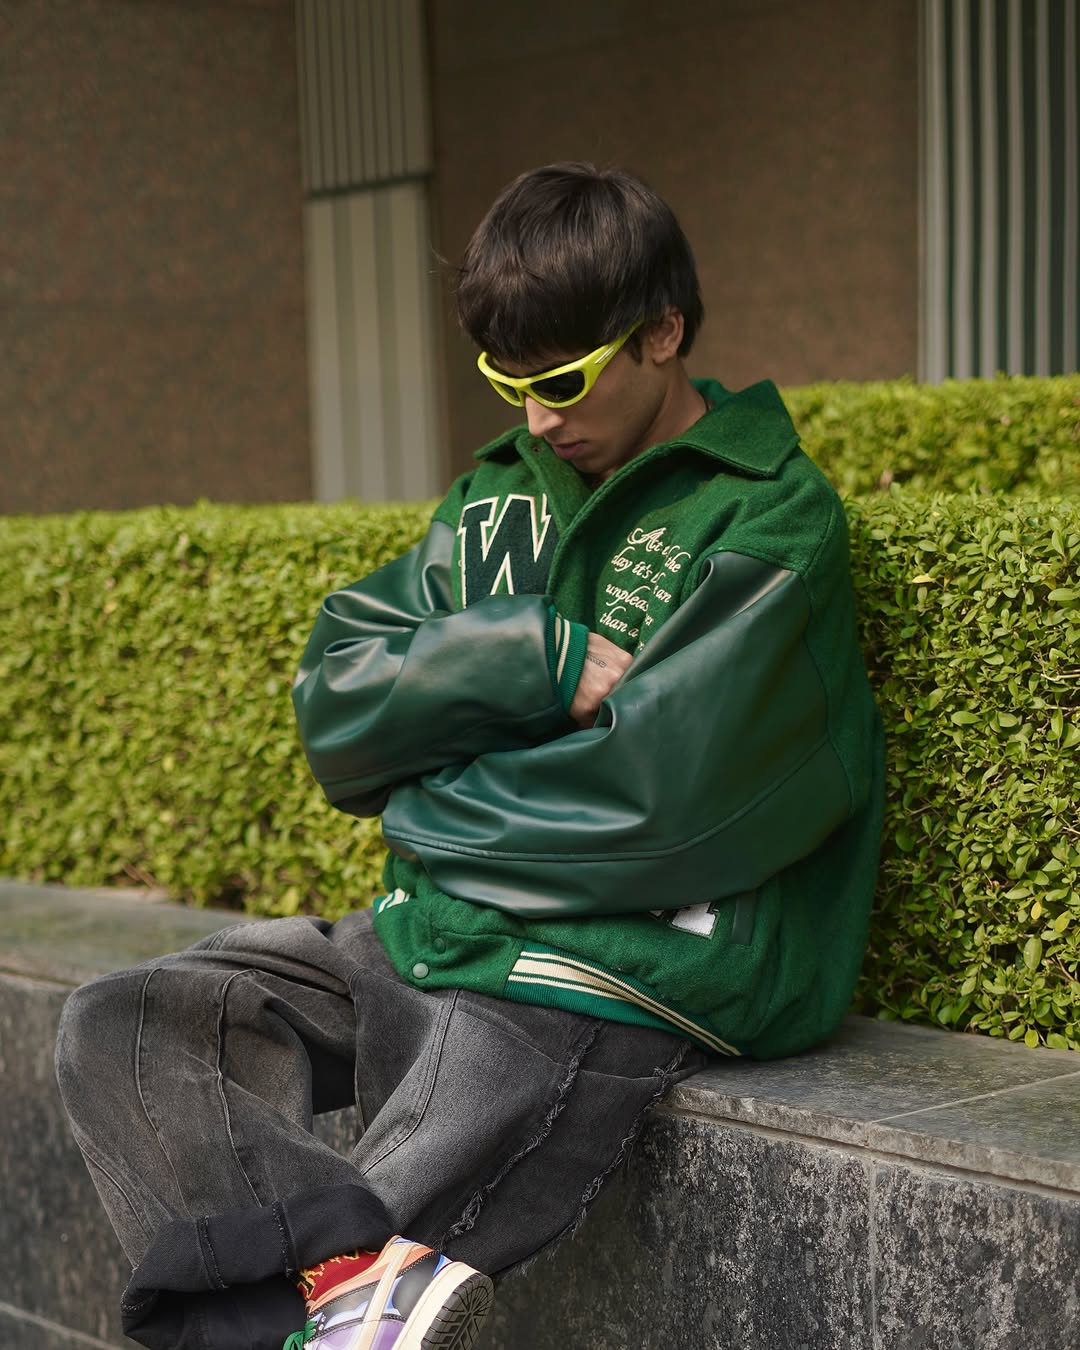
(703, 858)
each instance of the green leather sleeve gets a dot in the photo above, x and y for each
(709, 770)
(395, 683)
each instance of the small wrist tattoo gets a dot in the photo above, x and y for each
(595, 660)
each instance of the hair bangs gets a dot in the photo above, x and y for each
(568, 258)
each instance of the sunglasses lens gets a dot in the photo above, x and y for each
(560, 388)
(507, 392)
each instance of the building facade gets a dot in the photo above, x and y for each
(229, 225)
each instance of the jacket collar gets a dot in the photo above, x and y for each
(749, 431)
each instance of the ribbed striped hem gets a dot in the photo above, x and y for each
(547, 976)
(566, 646)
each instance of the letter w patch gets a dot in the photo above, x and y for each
(510, 555)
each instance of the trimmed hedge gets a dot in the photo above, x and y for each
(146, 733)
(970, 616)
(1013, 433)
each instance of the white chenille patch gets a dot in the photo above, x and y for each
(697, 919)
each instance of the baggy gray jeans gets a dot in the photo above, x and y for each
(486, 1127)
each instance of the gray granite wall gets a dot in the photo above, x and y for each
(70, 1270)
(899, 1188)
(734, 1238)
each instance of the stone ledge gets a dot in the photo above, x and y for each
(23, 1331)
(897, 1188)
(967, 1102)
(728, 1237)
(68, 936)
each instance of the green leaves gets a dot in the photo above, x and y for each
(1033, 953)
(1009, 434)
(146, 729)
(146, 732)
(976, 923)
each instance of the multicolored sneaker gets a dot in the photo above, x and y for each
(411, 1298)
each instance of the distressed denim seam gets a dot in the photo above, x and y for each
(472, 1210)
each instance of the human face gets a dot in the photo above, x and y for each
(634, 404)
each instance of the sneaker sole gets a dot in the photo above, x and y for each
(451, 1312)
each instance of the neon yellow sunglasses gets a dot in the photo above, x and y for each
(556, 388)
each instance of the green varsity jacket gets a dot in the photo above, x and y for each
(703, 858)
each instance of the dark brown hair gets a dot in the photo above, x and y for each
(568, 257)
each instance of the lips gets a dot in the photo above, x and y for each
(568, 449)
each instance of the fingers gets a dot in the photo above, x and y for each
(605, 664)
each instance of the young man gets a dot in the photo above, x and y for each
(615, 719)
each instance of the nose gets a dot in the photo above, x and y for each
(542, 421)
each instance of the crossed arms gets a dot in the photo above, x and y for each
(696, 770)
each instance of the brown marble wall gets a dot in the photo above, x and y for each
(783, 132)
(151, 263)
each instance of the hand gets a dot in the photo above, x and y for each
(604, 666)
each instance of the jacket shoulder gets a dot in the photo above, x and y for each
(792, 519)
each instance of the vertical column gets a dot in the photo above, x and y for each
(934, 213)
(962, 224)
(366, 157)
(1070, 138)
(324, 359)
(1041, 206)
(1013, 96)
(987, 337)
(1000, 221)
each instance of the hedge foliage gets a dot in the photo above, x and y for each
(1015, 433)
(146, 733)
(970, 616)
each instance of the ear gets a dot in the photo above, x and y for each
(661, 339)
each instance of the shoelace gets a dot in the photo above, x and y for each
(298, 1339)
